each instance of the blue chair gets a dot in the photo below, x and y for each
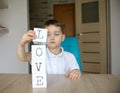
(70, 44)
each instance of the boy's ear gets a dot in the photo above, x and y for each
(63, 37)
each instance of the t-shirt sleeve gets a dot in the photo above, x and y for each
(73, 62)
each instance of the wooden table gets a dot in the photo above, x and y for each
(88, 83)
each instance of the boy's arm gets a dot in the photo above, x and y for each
(74, 69)
(23, 55)
(26, 38)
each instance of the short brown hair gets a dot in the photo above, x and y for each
(56, 23)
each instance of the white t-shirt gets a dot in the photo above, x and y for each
(61, 63)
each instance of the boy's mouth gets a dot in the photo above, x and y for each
(52, 42)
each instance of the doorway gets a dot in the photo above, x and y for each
(91, 28)
(66, 14)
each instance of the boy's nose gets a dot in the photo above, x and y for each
(51, 37)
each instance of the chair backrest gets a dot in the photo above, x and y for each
(70, 44)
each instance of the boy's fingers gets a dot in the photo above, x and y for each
(74, 76)
(67, 75)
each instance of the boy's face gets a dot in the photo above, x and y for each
(55, 36)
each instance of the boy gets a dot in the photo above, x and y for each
(58, 61)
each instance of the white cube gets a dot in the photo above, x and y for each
(39, 80)
(41, 35)
(38, 66)
(38, 52)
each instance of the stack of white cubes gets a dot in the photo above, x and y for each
(39, 76)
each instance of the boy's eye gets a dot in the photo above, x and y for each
(56, 34)
(48, 34)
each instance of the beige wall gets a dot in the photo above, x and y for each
(15, 19)
(115, 35)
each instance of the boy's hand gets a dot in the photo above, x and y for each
(27, 37)
(74, 74)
